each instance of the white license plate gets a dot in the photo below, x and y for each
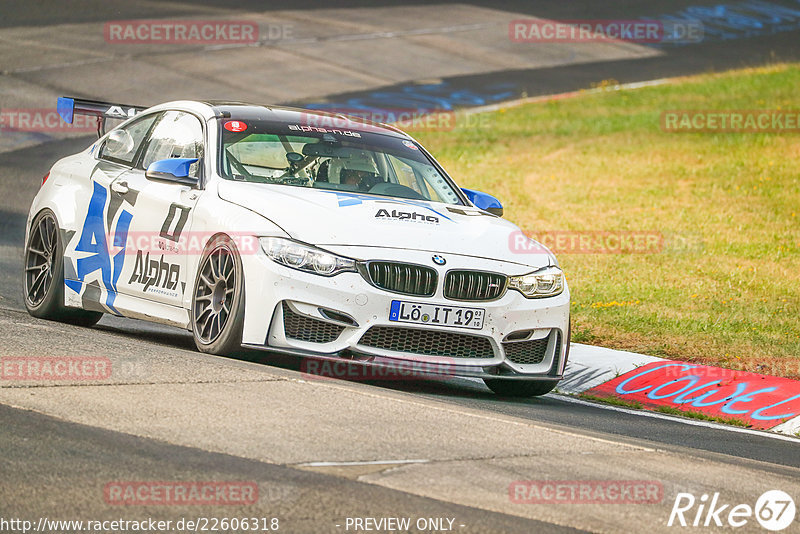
(414, 312)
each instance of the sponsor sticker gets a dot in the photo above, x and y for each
(235, 126)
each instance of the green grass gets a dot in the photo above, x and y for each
(725, 290)
(702, 416)
(614, 401)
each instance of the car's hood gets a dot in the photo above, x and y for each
(332, 218)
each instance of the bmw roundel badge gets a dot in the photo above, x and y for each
(439, 260)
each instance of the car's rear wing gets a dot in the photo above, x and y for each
(68, 107)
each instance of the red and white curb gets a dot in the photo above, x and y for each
(763, 402)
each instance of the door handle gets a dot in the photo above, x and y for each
(190, 192)
(120, 187)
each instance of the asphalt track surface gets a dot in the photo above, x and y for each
(63, 463)
(321, 452)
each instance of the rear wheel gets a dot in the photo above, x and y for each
(520, 388)
(44, 274)
(218, 301)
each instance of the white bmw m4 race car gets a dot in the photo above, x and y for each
(292, 231)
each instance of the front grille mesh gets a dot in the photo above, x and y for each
(302, 328)
(473, 285)
(427, 342)
(530, 352)
(403, 278)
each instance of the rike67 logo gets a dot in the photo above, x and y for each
(774, 510)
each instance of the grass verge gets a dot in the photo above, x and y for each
(725, 288)
(702, 416)
(634, 405)
(614, 401)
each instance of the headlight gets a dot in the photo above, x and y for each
(546, 282)
(305, 257)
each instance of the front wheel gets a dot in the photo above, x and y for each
(218, 299)
(520, 388)
(43, 280)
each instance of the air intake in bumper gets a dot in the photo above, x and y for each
(532, 351)
(427, 342)
(303, 328)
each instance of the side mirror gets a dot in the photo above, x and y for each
(484, 201)
(172, 170)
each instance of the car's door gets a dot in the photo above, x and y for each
(91, 262)
(156, 255)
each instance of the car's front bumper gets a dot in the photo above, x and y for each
(346, 319)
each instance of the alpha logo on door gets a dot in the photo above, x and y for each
(155, 273)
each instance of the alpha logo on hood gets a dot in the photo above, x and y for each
(406, 216)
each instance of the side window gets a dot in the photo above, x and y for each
(122, 144)
(177, 135)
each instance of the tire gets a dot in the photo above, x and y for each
(520, 388)
(529, 388)
(43, 274)
(218, 299)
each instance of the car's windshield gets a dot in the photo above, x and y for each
(332, 159)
